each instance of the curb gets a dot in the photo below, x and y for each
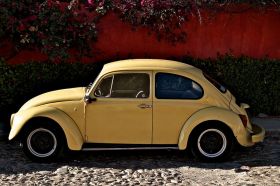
(3, 132)
(268, 123)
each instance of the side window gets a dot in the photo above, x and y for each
(104, 88)
(171, 86)
(131, 85)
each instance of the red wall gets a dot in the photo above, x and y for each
(253, 33)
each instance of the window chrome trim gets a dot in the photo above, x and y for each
(155, 87)
(111, 85)
(112, 74)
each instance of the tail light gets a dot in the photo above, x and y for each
(243, 119)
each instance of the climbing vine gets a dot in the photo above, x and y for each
(51, 26)
(54, 26)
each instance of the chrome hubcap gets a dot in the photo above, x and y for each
(41, 142)
(212, 143)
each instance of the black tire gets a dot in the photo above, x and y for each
(211, 142)
(43, 141)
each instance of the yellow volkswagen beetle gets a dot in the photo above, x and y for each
(137, 104)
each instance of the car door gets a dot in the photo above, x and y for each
(122, 112)
(176, 98)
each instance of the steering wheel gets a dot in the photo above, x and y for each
(98, 93)
(140, 94)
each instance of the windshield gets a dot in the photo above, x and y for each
(219, 86)
(88, 87)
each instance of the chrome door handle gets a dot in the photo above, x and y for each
(144, 106)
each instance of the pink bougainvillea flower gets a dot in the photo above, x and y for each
(21, 27)
(90, 2)
(61, 7)
(30, 18)
(49, 3)
(33, 29)
(40, 35)
(101, 3)
(150, 3)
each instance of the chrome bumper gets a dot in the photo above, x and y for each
(12, 119)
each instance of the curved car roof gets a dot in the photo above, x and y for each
(146, 64)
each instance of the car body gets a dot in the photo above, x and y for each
(137, 104)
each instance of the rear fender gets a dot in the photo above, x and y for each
(227, 117)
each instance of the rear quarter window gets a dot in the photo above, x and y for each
(172, 86)
(218, 85)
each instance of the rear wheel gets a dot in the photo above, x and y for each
(211, 143)
(43, 143)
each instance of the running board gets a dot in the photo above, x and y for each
(130, 148)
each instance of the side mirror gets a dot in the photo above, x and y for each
(88, 99)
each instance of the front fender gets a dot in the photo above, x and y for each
(72, 132)
(225, 116)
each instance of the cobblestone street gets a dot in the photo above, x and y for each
(259, 165)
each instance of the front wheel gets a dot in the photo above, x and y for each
(42, 143)
(211, 143)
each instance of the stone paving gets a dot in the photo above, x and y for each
(259, 165)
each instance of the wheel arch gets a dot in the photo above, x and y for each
(214, 124)
(70, 129)
(221, 116)
(44, 121)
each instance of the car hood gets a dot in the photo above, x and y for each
(71, 94)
